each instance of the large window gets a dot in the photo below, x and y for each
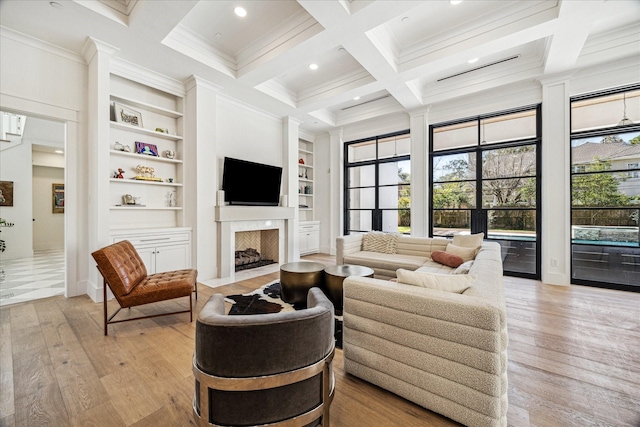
(377, 193)
(605, 189)
(484, 178)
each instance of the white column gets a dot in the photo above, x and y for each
(98, 56)
(419, 174)
(556, 197)
(290, 137)
(336, 176)
(201, 173)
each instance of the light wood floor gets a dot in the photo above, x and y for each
(573, 361)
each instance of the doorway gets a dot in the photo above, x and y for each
(33, 164)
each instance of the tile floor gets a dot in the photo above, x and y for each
(27, 279)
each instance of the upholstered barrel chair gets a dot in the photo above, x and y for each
(264, 369)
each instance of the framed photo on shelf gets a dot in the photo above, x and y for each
(57, 191)
(127, 115)
(148, 149)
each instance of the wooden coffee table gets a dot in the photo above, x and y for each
(296, 278)
(335, 275)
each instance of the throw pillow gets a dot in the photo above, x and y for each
(442, 282)
(467, 254)
(377, 241)
(469, 241)
(463, 268)
(444, 258)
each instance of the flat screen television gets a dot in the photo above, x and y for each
(251, 184)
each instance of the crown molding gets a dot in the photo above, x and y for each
(92, 46)
(148, 77)
(195, 81)
(40, 45)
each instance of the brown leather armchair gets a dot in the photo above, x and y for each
(264, 369)
(124, 272)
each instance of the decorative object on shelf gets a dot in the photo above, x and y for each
(130, 200)
(169, 154)
(301, 161)
(117, 146)
(148, 149)
(305, 174)
(127, 149)
(119, 174)
(57, 191)
(160, 130)
(125, 114)
(4, 223)
(307, 189)
(169, 179)
(6, 193)
(171, 199)
(146, 173)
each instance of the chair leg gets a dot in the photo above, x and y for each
(196, 290)
(191, 307)
(104, 302)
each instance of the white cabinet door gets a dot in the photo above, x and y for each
(313, 241)
(174, 257)
(303, 242)
(148, 256)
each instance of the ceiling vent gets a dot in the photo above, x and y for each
(367, 102)
(491, 64)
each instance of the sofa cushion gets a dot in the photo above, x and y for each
(430, 266)
(467, 254)
(442, 282)
(378, 260)
(463, 268)
(376, 241)
(445, 258)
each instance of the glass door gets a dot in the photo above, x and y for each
(377, 193)
(485, 178)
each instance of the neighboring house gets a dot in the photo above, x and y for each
(622, 155)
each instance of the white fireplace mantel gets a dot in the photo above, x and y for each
(232, 219)
(253, 213)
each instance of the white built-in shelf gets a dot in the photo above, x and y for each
(305, 166)
(305, 180)
(300, 150)
(142, 181)
(144, 156)
(146, 208)
(305, 195)
(145, 106)
(138, 129)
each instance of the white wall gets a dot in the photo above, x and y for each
(15, 165)
(48, 227)
(244, 133)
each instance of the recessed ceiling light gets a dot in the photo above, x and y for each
(455, 2)
(472, 60)
(405, 19)
(341, 49)
(356, 98)
(55, 4)
(313, 66)
(240, 11)
(59, 152)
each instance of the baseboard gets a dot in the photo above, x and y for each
(94, 292)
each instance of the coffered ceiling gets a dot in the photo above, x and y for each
(373, 57)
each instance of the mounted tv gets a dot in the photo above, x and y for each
(251, 184)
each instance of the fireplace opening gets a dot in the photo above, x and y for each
(255, 248)
(250, 258)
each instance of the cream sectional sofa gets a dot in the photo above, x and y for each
(444, 351)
